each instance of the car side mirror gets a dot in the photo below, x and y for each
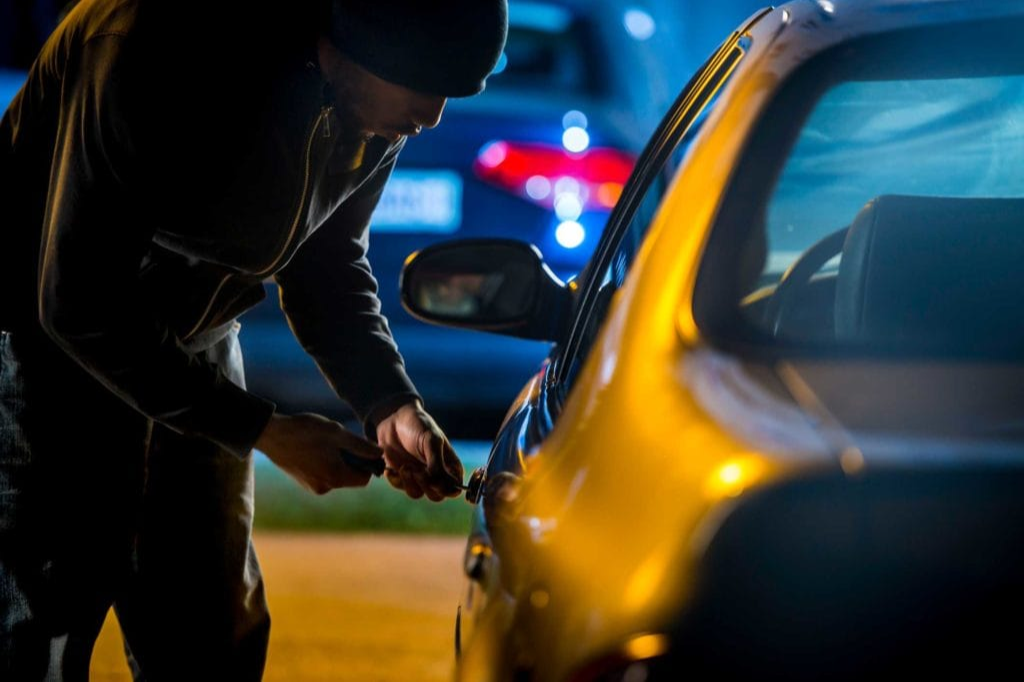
(494, 285)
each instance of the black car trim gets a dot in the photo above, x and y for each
(670, 131)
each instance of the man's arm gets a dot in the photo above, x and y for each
(329, 295)
(95, 236)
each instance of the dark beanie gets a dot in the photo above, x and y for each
(443, 48)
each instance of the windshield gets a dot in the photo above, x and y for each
(889, 217)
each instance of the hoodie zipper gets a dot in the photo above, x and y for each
(322, 120)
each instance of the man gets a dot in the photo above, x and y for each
(161, 162)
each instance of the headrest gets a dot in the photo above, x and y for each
(934, 273)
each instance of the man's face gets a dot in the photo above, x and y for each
(369, 105)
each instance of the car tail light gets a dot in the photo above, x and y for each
(555, 178)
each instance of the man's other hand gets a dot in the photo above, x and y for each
(308, 448)
(420, 459)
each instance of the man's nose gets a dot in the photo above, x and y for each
(430, 115)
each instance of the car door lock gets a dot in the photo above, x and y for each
(476, 485)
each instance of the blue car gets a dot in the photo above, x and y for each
(541, 156)
(10, 82)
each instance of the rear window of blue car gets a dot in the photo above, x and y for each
(549, 49)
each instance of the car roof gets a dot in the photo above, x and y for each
(800, 30)
(836, 21)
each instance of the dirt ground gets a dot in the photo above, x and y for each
(346, 607)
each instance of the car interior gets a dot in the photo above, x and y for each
(934, 274)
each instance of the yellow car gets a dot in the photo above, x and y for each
(781, 429)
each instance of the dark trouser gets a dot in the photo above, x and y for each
(100, 506)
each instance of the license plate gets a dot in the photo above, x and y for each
(420, 201)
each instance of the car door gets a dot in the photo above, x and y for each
(535, 412)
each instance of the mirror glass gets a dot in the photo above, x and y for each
(473, 283)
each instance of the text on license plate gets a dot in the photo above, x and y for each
(420, 201)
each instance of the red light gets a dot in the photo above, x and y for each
(599, 172)
(493, 154)
(608, 193)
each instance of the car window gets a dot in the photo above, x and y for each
(628, 224)
(548, 49)
(884, 215)
(945, 137)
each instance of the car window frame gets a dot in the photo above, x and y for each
(654, 162)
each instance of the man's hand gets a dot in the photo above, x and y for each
(308, 448)
(420, 459)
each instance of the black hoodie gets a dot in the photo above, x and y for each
(159, 164)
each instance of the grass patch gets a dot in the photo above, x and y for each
(282, 504)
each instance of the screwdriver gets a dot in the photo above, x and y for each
(375, 467)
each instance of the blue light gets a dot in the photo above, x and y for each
(540, 17)
(568, 207)
(568, 185)
(639, 23)
(574, 119)
(570, 234)
(501, 65)
(576, 139)
(10, 82)
(538, 187)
